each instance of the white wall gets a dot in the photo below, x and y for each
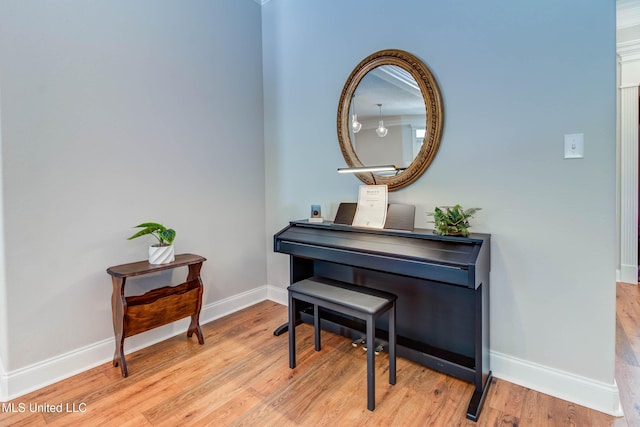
(515, 77)
(373, 150)
(113, 113)
(4, 319)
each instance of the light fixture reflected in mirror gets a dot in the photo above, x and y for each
(355, 124)
(381, 130)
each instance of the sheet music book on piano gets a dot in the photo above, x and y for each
(371, 211)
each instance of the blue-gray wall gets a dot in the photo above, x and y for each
(114, 113)
(515, 78)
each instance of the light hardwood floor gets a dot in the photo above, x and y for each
(240, 377)
(628, 350)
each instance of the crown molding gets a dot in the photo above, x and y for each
(627, 13)
(629, 51)
(261, 2)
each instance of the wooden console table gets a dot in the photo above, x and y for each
(160, 306)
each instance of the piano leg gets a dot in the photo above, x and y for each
(281, 329)
(477, 400)
(284, 328)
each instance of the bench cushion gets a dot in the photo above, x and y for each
(359, 298)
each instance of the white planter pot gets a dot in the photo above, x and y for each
(161, 254)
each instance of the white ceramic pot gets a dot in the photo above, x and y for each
(161, 254)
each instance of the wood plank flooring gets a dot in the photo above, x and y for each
(241, 377)
(628, 350)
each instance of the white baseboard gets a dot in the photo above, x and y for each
(25, 380)
(21, 381)
(3, 384)
(603, 397)
(232, 304)
(628, 273)
(278, 295)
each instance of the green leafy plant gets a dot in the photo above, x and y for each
(452, 220)
(164, 235)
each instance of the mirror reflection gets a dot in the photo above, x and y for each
(390, 113)
(387, 117)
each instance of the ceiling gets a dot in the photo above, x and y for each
(627, 13)
(392, 87)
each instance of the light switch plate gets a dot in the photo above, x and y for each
(574, 146)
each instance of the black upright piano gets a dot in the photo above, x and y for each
(442, 284)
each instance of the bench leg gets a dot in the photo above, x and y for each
(292, 331)
(371, 372)
(316, 325)
(392, 344)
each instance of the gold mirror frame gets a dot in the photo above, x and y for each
(434, 110)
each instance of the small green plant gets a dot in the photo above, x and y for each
(164, 235)
(452, 220)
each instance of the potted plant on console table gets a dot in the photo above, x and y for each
(161, 252)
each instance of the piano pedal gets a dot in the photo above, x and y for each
(358, 342)
(376, 351)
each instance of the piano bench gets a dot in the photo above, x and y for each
(352, 300)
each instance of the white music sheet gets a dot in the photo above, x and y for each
(371, 210)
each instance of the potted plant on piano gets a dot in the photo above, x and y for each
(452, 220)
(163, 251)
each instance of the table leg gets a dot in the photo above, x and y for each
(197, 330)
(118, 307)
(194, 326)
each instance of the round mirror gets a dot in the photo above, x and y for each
(390, 113)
